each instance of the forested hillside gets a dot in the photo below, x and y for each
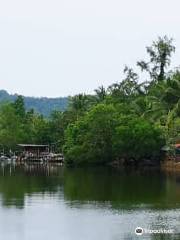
(40, 105)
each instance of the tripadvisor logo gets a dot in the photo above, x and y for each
(139, 231)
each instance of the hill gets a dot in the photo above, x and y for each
(41, 105)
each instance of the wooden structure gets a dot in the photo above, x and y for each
(38, 153)
(33, 151)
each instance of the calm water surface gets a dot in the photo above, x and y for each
(50, 202)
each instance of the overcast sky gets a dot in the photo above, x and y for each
(63, 47)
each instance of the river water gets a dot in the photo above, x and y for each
(48, 202)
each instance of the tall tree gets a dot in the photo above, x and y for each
(127, 89)
(159, 58)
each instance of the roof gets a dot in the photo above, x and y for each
(165, 148)
(32, 145)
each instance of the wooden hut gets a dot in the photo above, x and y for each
(33, 151)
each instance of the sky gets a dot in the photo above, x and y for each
(64, 47)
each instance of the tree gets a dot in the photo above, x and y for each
(172, 99)
(105, 134)
(128, 89)
(11, 127)
(100, 94)
(159, 58)
(89, 140)
(78, 104)
(19, 107)
(41, 131)
(136, 138)
(57, 125)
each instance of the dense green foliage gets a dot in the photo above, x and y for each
(129, 121)
(90, 138)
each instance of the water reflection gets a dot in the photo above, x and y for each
(17, 181)
(123, 189)
(93, 203)
(120, 189)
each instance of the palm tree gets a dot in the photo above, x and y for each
(164, 98)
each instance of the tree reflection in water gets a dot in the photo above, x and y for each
(18, 181)
(119, 189)
(129, 196)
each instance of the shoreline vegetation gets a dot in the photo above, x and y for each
(132, 122)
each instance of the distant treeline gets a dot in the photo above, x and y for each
(41, 105)
(130, 121)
